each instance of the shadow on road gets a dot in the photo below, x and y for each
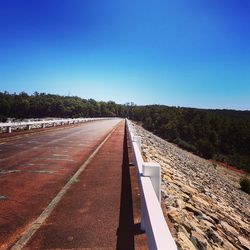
(127, 229)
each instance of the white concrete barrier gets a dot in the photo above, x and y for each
(8, 126)
(149, 181)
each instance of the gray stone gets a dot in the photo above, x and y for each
(214, 236)
(199, 240)
(192, 209)
(184, 243)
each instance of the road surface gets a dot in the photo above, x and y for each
(34, 168)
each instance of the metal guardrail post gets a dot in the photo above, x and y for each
(137, 139)
(153, 171)
(9, 129)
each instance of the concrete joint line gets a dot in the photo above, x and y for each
(49, 209)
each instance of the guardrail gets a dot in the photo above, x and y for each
(149, 181)
(45, 123)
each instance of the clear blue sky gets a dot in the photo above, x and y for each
(192, 53)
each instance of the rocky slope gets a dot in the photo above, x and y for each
(203, 200)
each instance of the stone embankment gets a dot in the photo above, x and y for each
(203, 201)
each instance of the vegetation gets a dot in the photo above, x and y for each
(41, 105)
(223, 135)
(245, 185)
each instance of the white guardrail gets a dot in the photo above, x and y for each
(45, 123)
(149, 181)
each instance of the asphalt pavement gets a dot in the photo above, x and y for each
(34, 168)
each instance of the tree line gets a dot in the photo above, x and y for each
(222, 135)
(39, 105)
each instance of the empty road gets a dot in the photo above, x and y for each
(35, 167)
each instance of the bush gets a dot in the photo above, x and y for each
(245, 185)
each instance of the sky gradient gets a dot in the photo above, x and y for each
(179, 53)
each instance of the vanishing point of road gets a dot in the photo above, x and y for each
(69, 188)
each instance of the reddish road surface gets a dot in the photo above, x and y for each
(95, 212)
